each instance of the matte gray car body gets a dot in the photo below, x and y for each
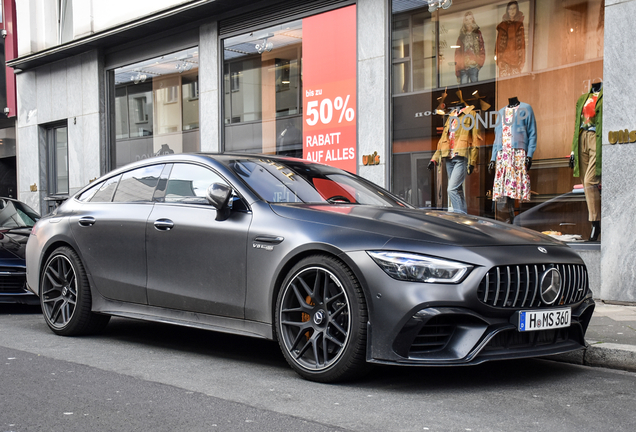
(225, 269)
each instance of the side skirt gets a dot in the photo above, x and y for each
(182, 318)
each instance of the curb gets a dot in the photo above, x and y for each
(600, 354)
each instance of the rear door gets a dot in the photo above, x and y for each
(110, 230)
(196, 262)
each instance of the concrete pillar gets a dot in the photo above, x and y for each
(373, 88)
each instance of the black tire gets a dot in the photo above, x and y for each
(321, 321)
(65, 296)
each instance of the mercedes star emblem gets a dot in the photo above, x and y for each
(550, 286)
(542, 249)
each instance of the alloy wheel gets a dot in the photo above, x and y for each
(59, 291)
(315, 318)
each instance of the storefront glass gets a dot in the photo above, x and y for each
(290, 89)
(498, 95)
(157, 107)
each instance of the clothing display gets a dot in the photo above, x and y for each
(456, 171)
(471, 54)
(511, 177)
(586, 148)
(466, 137)
(523, 128)
(510, 47)
(458, 146)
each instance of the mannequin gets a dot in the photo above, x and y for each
(458, 147)
(585, 158)
(515, 143)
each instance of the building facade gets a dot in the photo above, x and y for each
(515, 111)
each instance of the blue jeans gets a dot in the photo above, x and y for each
(456, 172)
(468, 75)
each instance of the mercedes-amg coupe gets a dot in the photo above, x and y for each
(339, 271)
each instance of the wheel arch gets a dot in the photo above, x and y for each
(52, 247)
(307, 251)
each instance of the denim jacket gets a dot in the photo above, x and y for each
(524, 130)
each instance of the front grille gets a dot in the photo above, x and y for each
(518, 286)
(12, 281)
(513, 339)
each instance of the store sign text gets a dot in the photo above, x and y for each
(373, 159)
(489, 120)
(329, 98)
(622, 136)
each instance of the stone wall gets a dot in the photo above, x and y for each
(618, 245)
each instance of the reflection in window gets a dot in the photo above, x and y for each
(188, 184)
(138, 185)
(190, 93)
(262, 90)
(105, 192)
(156, 107)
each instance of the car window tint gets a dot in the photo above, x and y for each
(105, 192)
(138, 185)
(189, 184)
(275, 182)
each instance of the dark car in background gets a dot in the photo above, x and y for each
(16, 221)
(339, 271)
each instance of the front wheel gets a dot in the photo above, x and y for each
(65, 296)
(321, 319)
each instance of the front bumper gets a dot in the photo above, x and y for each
(455, 336)
(459, 324)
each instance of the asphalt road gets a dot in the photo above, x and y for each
(154, 377)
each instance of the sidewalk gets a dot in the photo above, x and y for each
(611, 339)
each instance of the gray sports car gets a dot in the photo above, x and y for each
(341, 272)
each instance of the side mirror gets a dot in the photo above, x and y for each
(218, 195)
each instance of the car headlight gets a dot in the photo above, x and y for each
(419, 268)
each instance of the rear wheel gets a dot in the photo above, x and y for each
(321, 319)
(65, 296)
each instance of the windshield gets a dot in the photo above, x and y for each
(297, 181)
(14, 214)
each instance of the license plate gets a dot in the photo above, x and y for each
(544, 319)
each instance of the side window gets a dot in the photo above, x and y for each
(138, 185)
(105, 193)
(88, 193)
(189, 183)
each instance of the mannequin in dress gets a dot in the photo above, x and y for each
(515, 143)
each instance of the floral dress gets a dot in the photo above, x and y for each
(511, 178)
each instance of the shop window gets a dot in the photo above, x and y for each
(57, 161)
(534, 59)
(156, 103)
(293, 82)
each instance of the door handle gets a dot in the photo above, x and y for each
(164, 224)
(86, 221)
(269, 239)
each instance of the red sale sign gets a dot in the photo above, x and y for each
(329, 82)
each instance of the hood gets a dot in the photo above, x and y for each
(13, 244)
(424, 225)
